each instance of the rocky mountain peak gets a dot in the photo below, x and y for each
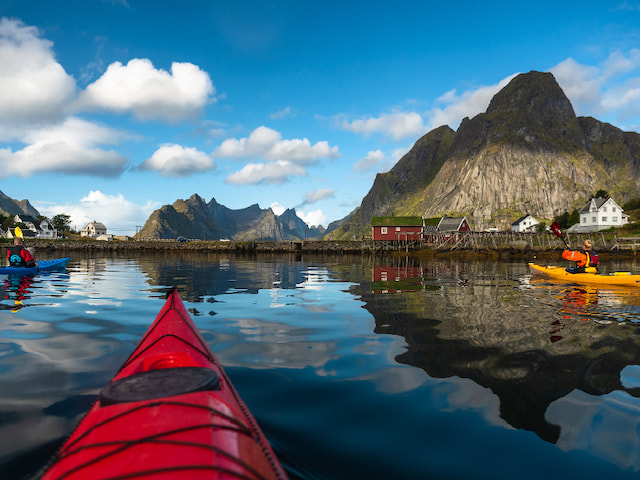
(535, 95)
(531, 112)
(194, 218)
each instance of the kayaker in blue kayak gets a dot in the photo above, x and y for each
(19, 256)
(586, 259)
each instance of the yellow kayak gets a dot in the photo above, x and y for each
(560, 273)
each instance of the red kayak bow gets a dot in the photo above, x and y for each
(169, 413)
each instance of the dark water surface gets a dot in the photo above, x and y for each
(356, 368)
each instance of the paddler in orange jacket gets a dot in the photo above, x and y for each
(586, 260)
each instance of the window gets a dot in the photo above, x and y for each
(383, 230)
(604, 209)
(594, 219)
(397, 229)
(604, 219)
(614, 219)
(583, 219)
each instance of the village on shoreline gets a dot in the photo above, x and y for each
(471, 245)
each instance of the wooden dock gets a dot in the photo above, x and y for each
(445, 241)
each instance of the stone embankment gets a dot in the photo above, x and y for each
(472, 244)
(200, 245)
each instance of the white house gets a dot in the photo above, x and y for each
(28, 221)
(524, 224)
(93, 230)
(599, 214)
(40, 228)
(46, 230)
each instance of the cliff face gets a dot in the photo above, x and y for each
(9, 206)
(194, 218)
(528, 153)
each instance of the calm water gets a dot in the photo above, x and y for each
(356, 368)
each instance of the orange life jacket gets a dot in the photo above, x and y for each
(584, 259)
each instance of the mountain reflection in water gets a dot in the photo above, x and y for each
(530, 350)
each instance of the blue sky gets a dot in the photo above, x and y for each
(111, 109)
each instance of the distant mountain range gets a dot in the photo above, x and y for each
(194, 218)
(527, 154)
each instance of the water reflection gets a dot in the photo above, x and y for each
(529, 343)
(324, 344)
(530, 346)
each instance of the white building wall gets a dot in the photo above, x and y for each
(610, 214)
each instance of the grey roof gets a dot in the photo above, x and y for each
(598, 201)
(28, 218)
(521, 219)
(95, 224)
(450, 224)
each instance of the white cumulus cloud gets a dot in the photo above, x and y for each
(373, 159)
(609, 91)
(397, 125)
(171, 160)
(256, 144)
(454, 106)
(278, 208)
(268, 144)
(317, 195)
(150, 93)
(314, 219)
(34, 87)
(118, 214)
(301, 151)
(266, 173)
(70, 147)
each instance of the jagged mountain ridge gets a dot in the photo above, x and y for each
(194, 218)
(9, 206)
(528, 153)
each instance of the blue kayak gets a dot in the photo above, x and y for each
(43, 265)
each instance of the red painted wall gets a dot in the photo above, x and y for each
(398, 233)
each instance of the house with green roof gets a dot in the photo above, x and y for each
(415, 228)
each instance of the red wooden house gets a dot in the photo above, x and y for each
(397, 228)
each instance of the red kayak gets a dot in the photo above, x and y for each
(169, 413)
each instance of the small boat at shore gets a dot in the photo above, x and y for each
(560, 273)
(169, 413)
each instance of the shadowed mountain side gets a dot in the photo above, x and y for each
(9, 206)
(194, 218)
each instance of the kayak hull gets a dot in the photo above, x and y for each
(560, 273)
(43, 265)
(169, 413)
